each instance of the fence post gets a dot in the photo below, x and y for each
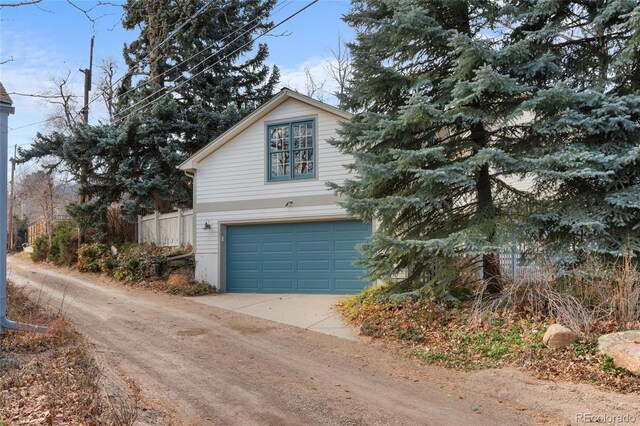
(139, 229)
(180, 228)
(156, 215)
(513, 263)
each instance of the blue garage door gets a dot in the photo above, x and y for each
(309, 257)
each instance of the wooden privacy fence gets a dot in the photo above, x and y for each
(35, 230)
(167, 230)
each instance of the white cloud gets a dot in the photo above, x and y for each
(318, 68)
(36, 62)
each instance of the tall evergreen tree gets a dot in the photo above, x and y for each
(458, 100)
(208, 95)
(585, 128)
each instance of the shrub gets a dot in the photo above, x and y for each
(94, 257)
(193, 288)
(40, 249)
(63, 249)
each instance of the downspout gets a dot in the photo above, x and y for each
(194, 216)
(6, 108)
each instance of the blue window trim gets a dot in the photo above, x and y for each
(292, 175)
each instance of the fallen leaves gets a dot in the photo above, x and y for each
(48, 378)
(453, 337)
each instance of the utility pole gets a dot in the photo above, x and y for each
(85, 118)
(87, 84)
(11, 200)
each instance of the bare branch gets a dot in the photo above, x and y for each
(107, 87)
(5, 61)
(63, 117)
(314, 88)
(21, 3)
(339, 67)
(87, 12)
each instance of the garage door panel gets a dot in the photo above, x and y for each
(314, 265)
(240, 266)
(277, 284)
(346, 266)
(348, 246)
(247, 284)
(309, 257)
(348, 225)
(239, 247)
(314, 246)
(278, 247)
(277, 265)
(348, 285)
(314, 284)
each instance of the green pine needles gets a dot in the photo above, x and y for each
(483, 124)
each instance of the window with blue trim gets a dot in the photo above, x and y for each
(291, 150)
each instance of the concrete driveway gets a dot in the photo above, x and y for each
(309, 311)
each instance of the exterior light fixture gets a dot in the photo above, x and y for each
(206, 226)
(289, 203)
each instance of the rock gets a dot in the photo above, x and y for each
(624, 348)
(558, 336)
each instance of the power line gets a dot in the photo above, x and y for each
(29, 125)
(144, 59)
(23, 171)
(277, 9)
(41, 95)
(172, 89)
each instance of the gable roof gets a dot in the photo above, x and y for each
(4, 96)
(285, 94)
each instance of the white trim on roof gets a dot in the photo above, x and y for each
(190, 164)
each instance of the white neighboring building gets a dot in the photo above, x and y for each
(264, 219)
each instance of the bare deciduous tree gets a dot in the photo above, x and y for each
(107, 85)
(43, 195)
(313, 87)
(339, 67)
(65, 108)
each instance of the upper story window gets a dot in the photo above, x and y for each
(291, 150)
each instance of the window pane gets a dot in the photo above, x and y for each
(280, 164)
(303, 162)
(279, 138)
(302, 135)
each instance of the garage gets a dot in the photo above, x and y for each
(305, 257)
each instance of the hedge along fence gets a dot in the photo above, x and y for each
(167, 230)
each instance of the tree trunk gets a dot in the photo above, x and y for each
(486, 212)
(162, 205)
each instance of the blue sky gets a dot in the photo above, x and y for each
(53, 40)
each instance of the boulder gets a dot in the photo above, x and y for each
(624, 348)
(558, 336)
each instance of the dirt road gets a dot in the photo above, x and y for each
(204, 365)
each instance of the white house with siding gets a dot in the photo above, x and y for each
(264, 219)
